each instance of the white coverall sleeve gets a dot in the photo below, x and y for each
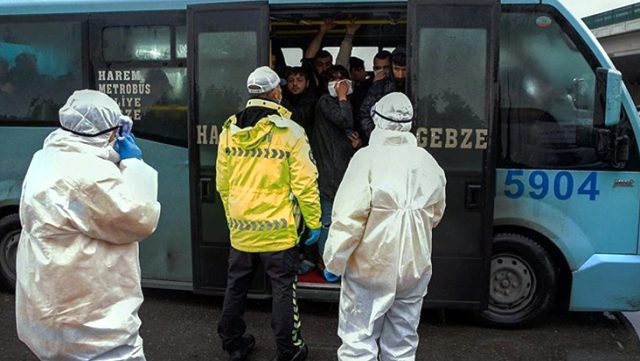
(438, 209)
(350, 214)
(121, 209)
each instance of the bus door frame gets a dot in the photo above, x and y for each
(210, 251)
(456, 268)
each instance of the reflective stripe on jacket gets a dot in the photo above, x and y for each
(261, 171)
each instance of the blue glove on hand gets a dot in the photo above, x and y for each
(314, 234)
(127, 148)
(330, 277)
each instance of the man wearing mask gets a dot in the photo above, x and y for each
(391, 197)
(383, 84)
(264, 166)
(334, 140)
(84, 208)
(299, 99)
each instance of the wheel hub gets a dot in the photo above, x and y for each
(512, 283)
(10, 251)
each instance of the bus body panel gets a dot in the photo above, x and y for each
(22, 143)
(166, 254)
(608, 280)
(579, 210)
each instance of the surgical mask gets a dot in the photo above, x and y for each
(332, 87)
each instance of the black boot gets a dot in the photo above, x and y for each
(248, 343)
(299, 355)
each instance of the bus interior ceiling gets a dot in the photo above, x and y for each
(380, 28)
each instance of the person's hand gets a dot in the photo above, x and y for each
(314, 234)
(330, 277)
(342, 88)
(354, 138)
(127, 147)
(379, 74)
(352, 28)
(327, 25)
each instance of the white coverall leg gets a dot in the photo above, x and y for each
(399, 338)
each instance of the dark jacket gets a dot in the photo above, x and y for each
(303, 108)
(377, 90)
(356, 99)
(330, 145)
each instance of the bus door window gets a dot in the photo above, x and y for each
(40, 66)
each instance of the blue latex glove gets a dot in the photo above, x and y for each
(330, 277)
(314, 234)
(127, 148)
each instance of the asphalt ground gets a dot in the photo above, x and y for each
(179, 325)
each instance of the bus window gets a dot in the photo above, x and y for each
(129, 43)
(154, 97)
(164, 107)
(546, 95)
(292, 56)
(40, 66)
(181, 42)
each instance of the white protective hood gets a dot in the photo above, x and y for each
(78, 274)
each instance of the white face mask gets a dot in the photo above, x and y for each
(332, 87)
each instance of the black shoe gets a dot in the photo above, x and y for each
(300, 355)
(248, 343)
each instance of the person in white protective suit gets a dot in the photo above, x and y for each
(392, 195)
(84, 208)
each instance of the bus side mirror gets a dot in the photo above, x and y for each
(608, 97)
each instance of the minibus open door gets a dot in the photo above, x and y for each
(452, 64)
(226, 42)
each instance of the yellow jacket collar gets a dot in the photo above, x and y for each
(258, 102)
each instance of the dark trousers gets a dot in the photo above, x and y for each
(281, 267)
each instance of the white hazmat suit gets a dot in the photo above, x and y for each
(83, 211)
(392, 195)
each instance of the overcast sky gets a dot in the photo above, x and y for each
(582, 8)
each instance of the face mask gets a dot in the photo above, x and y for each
(331, 87)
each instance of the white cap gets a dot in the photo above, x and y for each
(393, 112)
(262, 80)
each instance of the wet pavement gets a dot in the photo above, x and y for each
(181, 326)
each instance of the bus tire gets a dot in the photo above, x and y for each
(10, 229)
(523, 282)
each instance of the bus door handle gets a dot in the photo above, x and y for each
(206, 190)
(472, 196)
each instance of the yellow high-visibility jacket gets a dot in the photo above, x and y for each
(261, 171)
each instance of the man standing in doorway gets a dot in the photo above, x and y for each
(384, 82)
(264, 165)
